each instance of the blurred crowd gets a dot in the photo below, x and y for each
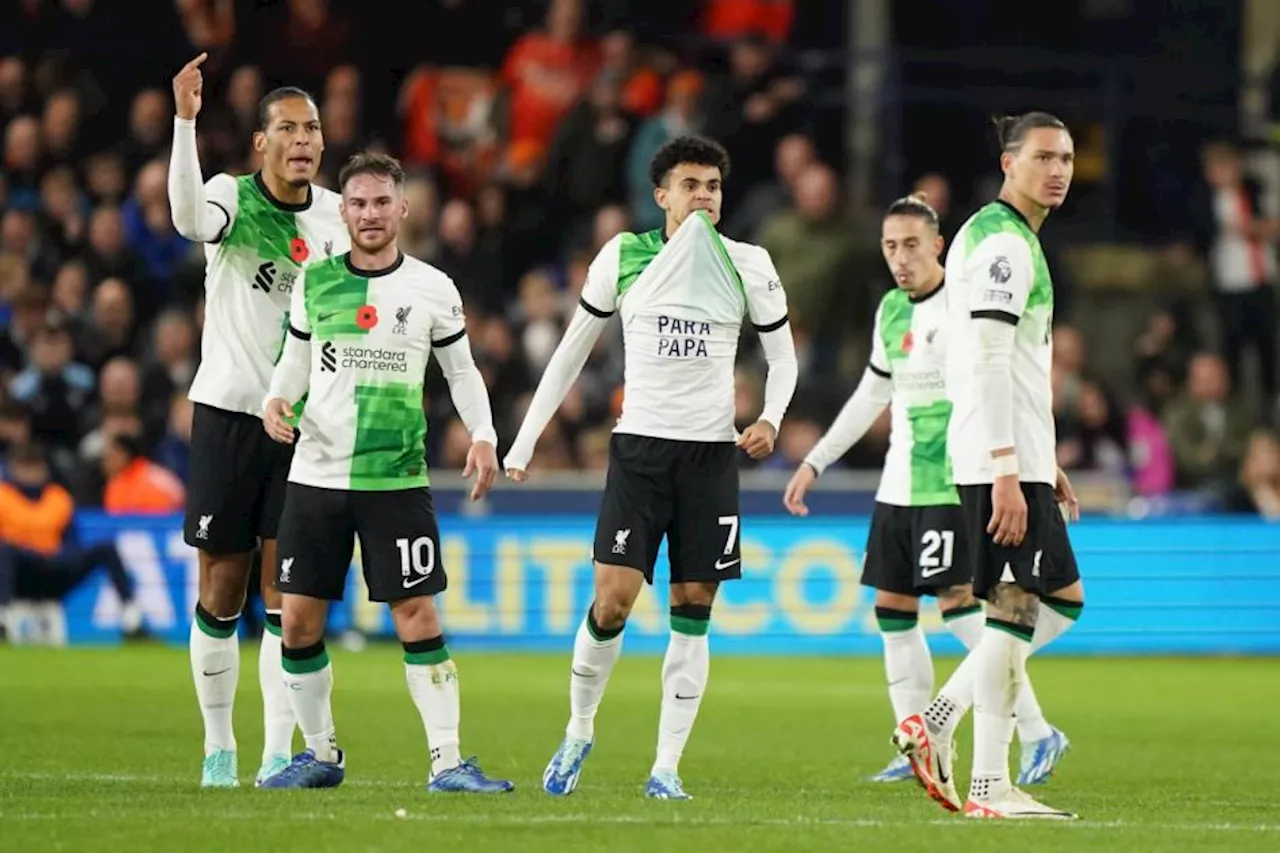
(527, 137)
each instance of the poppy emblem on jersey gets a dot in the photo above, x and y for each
(908, 342)
(298, 250)
(367, 317)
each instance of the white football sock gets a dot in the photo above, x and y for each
(594, 654)
(433, 683)
(215, 668)
(999, 669)
(685, 670)
(908, 666)
(1053, 620)
(309, 678)
(966, 623)
(277, 714)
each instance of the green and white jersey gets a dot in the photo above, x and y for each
(683, 302)
(996, 271)
(251, 270)
(371, 334)
(909, 349)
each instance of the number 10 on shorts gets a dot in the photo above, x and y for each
(417, 559)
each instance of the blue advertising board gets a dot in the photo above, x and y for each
(1197, 586)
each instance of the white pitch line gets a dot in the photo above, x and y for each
(866, 823)
(572, 819)
(640, 820)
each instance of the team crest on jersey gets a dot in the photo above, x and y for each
(402, 320)
(328, 248)
(1001, 270)
(929, 336)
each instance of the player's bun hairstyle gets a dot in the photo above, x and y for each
(1011, 131)
(275, 96)
(371, 163)
(917, 205)
(697, 150)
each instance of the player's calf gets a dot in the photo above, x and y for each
(214, 649)
(999, 671)
(432, 677)
(596, 650)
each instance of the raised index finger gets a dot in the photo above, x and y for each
(196, 63)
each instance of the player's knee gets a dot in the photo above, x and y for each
(415, 618)
(223, 582)
(302, 621)
(616, 589)
(696, 593)
(611, 611)
(897, 601)
(1011, 603)
(955, 597)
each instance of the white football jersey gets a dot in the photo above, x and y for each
(251, 270)
(996, 271)
(683, 302)
(909, 349)
(363, 427)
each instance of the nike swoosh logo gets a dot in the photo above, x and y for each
(208, 674)
(928, 573)
(583, 674)
(694, 696)
(722, 566)
(899, 681)
(410, 584)
(325, 317)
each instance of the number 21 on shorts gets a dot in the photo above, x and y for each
(933, 541)
(417, 559)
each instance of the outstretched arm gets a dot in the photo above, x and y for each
(597, 304)
(561, 372)
(869, 399)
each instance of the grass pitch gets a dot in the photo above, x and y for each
(101, 751)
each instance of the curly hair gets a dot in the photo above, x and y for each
(697, 150)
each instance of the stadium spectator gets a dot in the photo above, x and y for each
(85, 243)
(135, 484)
(795, 153)
(815, 255)
(1237, 231)
(680, 116)
(546, 71)
(1208, 425)
(1257, 490)
(37, 560)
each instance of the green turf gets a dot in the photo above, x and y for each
(101, 751)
